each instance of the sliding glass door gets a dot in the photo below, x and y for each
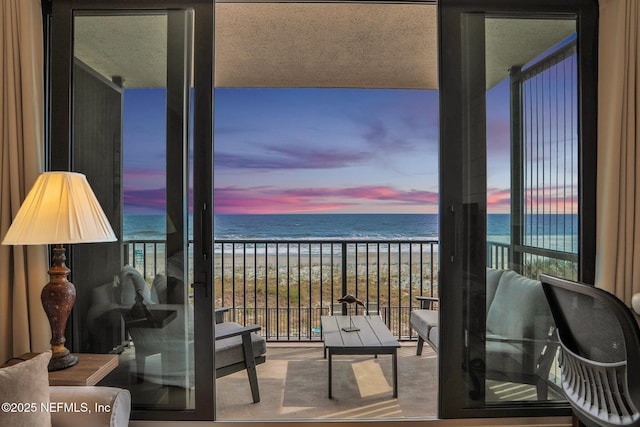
(139, 110)
(517, 84)
(516, 193)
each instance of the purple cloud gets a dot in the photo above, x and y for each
(143, 201)
(290, 158)
(380, 137)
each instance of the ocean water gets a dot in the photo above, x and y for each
(553, 231)
(305, 226)
(326, 226)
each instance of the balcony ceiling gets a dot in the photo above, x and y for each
(307, 45)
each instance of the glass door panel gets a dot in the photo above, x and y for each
(511, 198)
(131, 84)
(531, 126)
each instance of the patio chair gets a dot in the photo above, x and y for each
(238, 348)
(425, 322)
(600, 352)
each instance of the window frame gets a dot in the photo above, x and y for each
(59, 157)
(451, 381)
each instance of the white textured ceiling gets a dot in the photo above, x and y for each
(512, 42)
(132, 47)
(326, 45)
(308, 45)
(278, 45)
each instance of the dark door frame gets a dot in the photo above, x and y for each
(60, 42)
(452, 383)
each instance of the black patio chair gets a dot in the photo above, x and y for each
(238, 348)
(600, 352)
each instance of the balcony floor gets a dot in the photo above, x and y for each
(293, 385)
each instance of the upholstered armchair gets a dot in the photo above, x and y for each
(116, 403)
(27, 399)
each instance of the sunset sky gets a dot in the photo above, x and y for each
(312, 150)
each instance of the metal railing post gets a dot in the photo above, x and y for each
(344, 276)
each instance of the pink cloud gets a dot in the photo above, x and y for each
(143, 201)
(273, 200)
(499, 200)
(268, 199)
(265, 200)
(552, 199)
(368, 193)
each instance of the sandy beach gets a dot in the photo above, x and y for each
(395, 275)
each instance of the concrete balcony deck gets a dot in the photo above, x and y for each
(294, 385)
(294, 380)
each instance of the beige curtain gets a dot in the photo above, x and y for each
(618, 175)
(23, 270)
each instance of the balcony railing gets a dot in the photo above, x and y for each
(285, 286)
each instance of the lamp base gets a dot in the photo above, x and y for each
(61, 361)
(57, 298)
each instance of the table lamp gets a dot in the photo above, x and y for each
(60, 208)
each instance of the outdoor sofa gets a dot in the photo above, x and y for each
(520, 345)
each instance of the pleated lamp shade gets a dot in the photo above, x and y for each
(60, 208)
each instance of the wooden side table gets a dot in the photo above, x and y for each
(155, 319)
(90, 369)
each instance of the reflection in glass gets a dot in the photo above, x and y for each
(130, 126)
(531, 126)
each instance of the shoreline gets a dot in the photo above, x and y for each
(157, 258)
(315, 260)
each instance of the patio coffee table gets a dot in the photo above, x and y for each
(372, 337)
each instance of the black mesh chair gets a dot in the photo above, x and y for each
(600, 352)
